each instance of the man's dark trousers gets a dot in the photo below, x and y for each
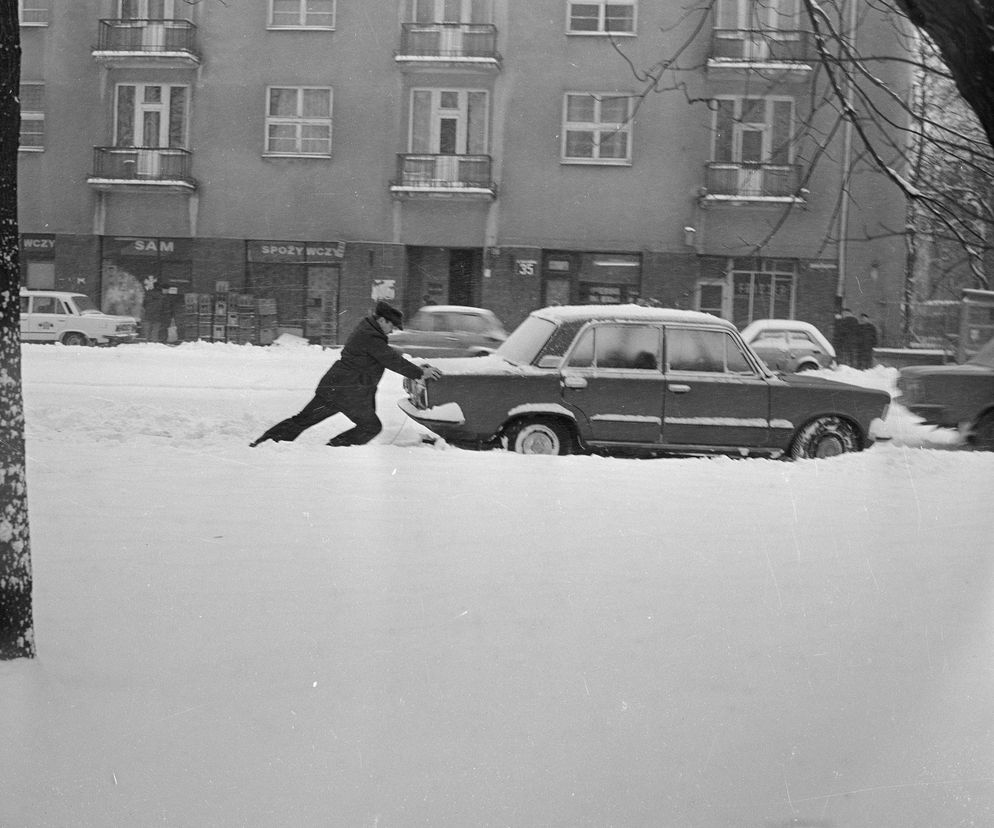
(357, 402)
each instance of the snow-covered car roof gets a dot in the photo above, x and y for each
(454, 309)
(562, 313)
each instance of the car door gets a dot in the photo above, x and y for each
(46, 319)
(716, 397)
(802, 346)
(611, 380)
(773, 349)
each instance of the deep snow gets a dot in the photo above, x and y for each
(399, 634)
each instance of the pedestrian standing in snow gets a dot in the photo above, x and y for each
(866, 341)
(349, 386)
(846, 334)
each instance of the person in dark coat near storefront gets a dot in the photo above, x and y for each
(349, 386)
(846, 334)
(866, 341)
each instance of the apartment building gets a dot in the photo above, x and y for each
(500, 153)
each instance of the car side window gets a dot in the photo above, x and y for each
(47, 304)
(629, 347)
(468, 323)
(801, 338)
(712, 352)
(25, 301)
(420, 322)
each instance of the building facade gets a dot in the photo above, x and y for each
(324, 153)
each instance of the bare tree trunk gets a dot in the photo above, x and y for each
(963, 30)
(16, 624)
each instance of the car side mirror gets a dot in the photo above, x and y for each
(550, 361)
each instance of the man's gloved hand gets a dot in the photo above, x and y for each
(429, 373)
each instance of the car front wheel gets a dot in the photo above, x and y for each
(539, 436)
(983, 433)
(75, 338)
(825, 437)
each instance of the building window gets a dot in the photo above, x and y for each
(32, 135)
(302, 14)
(596, 129)
(762, 289)
(150, 115)
(751, 147)
(711, 298)
(448, 121)
(298, 121)
(33, 12)
(601, 18)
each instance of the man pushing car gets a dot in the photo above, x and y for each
(349, 386)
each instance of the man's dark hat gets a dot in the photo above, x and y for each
(390, 313)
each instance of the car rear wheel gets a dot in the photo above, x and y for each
(825, 437)
(75, 338)
(983, 433)
(539, 436)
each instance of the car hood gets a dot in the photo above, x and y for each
(966, 370)
(805, 380)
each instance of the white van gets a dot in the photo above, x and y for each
(72, 319)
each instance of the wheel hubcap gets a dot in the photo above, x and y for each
(537, 442)
(830, 445)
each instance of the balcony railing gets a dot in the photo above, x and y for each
(156, 166)
(450, 174)
(761, 46)
(448, 42)
(157, 39)
(728, 181)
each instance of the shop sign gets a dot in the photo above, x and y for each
(150, 247)
(295, 251)
(38, 244)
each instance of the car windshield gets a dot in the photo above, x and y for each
(525, 342)
(84, 304)
(985, 356)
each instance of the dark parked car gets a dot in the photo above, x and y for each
(450, 331)
(632, 379)
(954, 396)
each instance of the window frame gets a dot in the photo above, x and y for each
(298, 122)
(41, 7)
(739, 127)
(301, 24)
(598, 127)
(436, 113)
(31, 116)
(602, 29)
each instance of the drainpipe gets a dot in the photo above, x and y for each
(842, 248)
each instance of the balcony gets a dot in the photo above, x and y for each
(753, 183)
(142, 167)
(139, 44)
(425, 174)
(767, 50)
(448, 45)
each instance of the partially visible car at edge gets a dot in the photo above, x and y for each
(633, 379)
(72, 319)
(789, 345)
(450, 331)
(954, 396)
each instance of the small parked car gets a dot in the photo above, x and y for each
(954, 396)
(72, 319)
(642, 380)
(450, 331)
(789, 345)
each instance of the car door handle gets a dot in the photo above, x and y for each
(574, 382)
(679, 389)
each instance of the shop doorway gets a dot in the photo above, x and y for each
(444, 276)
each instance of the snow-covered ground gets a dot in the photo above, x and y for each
(400, 635)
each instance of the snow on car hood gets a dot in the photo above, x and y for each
(491, 364)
